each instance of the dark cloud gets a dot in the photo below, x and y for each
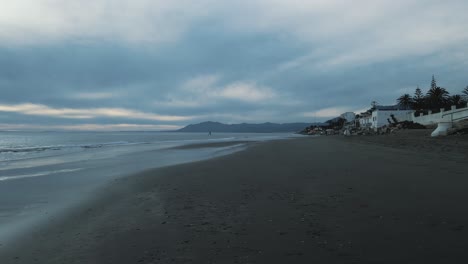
(231, 66)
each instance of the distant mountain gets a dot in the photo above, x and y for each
(244, 128)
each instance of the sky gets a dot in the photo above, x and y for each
(160, 65)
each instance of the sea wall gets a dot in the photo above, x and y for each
(452, 115)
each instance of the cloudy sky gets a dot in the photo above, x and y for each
(159, 64)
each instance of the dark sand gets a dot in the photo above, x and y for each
(420, 141)
(311, 200)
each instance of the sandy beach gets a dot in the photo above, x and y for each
(378, 199)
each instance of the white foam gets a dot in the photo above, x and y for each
(39, 174)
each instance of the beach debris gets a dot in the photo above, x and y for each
(409, 125)
(347, 132)
(391, 128)
(463, 131)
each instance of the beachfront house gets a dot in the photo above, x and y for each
(381, 115)
(365, 120)
(348, 116)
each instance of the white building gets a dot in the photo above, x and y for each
(365, 120)
(349, 116)
(382, 114)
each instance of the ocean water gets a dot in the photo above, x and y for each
(43, 173)
(26, 145)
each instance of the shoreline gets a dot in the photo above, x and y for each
(323, 199)
(33, 196)
(214, 145)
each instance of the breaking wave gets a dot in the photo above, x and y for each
(61, 147)
(44, 173)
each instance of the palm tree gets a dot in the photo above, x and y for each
(465, 93)
(437, 97)
(457, 100)
(405, 101)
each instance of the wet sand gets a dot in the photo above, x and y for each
(214, 145)
(309, 200)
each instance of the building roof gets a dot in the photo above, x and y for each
(391, 107)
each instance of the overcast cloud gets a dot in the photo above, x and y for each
(146, 64)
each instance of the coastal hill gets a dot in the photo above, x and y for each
(244, 128)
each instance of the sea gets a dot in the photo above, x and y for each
(44, 173)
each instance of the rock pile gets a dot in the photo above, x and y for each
(408, 125)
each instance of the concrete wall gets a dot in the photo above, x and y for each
(443, 116)
(380, 117)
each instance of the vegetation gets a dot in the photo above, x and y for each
(405, 101)
(418, 99)
(465, 93)
(435, 98)
(457, 100)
